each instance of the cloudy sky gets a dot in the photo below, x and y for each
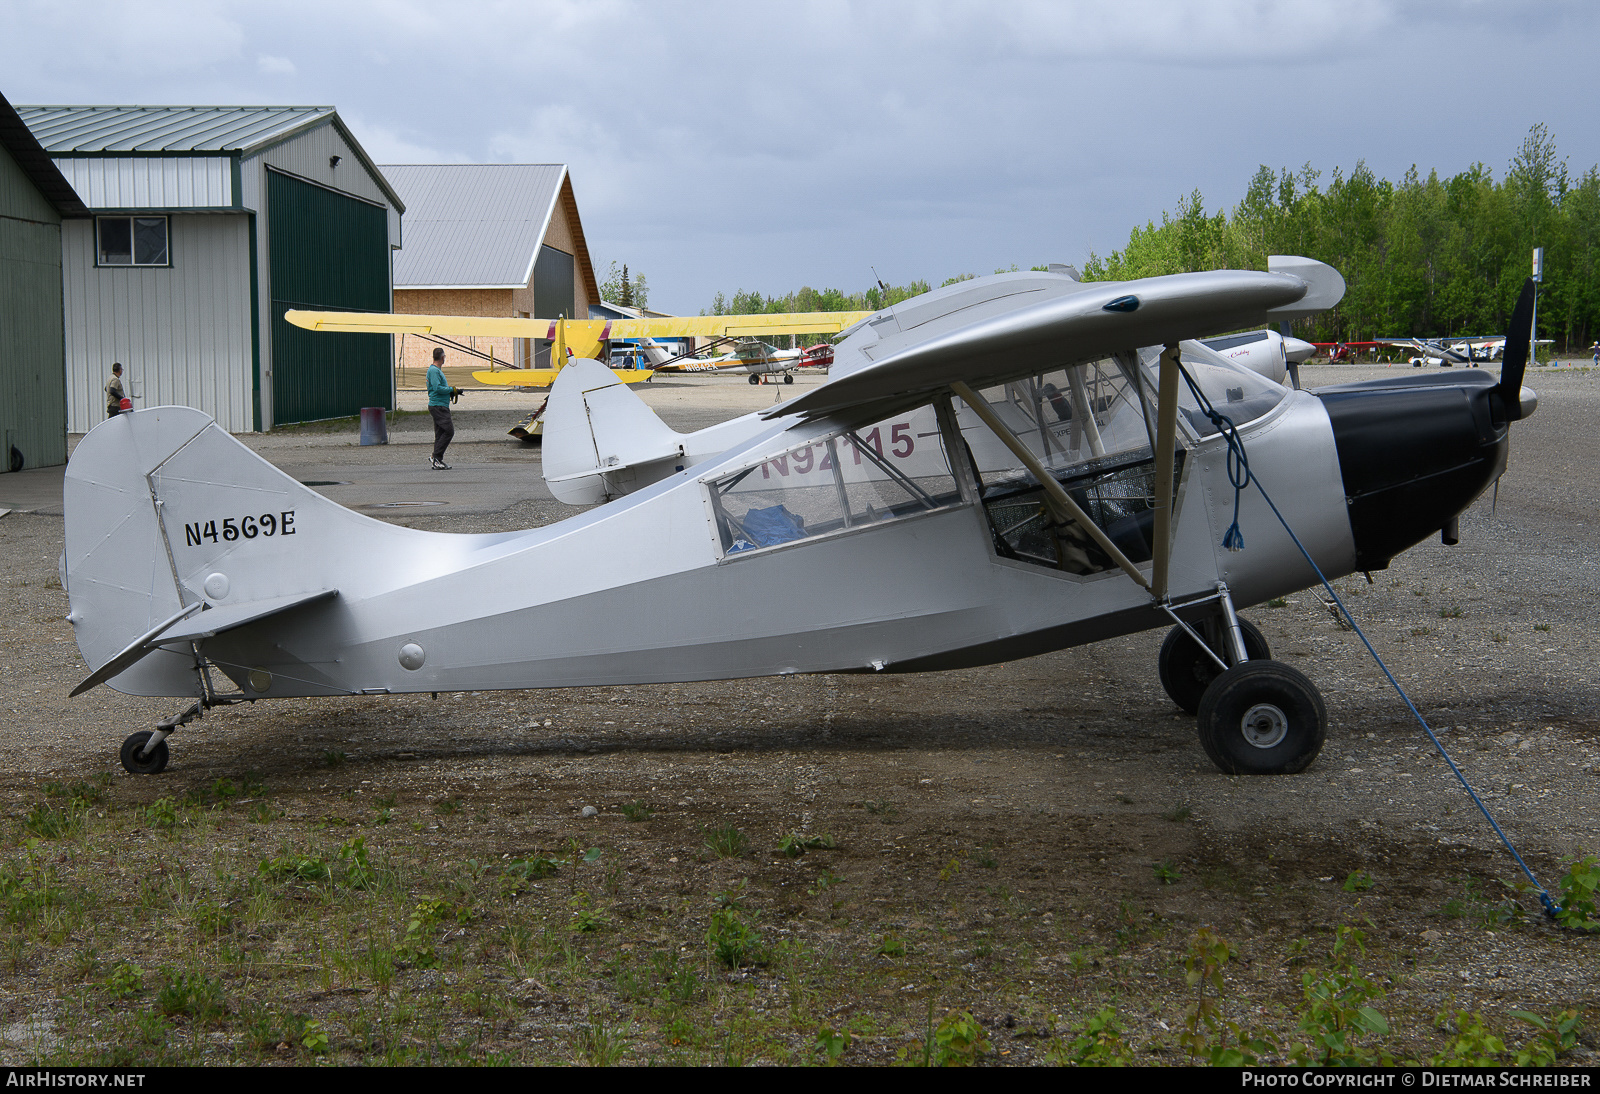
(768, 145)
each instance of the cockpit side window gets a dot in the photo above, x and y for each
(851, 478)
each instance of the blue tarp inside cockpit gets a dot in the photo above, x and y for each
(771, 526)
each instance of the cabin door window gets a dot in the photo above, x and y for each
(1090, 427)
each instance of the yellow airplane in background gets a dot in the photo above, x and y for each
(577, 337)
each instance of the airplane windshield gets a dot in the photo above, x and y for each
(1234, 391)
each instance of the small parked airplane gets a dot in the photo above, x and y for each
(834, 538)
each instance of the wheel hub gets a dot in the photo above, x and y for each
(1264, 725)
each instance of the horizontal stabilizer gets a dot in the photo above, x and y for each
(216, 620)
(133, 653)
(193, 624)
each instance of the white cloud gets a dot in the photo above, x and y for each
(274, 66)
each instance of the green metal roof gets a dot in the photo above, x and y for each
(158, 129)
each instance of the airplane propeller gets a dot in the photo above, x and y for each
(1515, 361)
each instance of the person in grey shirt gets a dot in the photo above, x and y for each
(114, 395)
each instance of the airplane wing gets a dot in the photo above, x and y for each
(582, 336)
(672, 326)
(544, 377)
(1102, 318)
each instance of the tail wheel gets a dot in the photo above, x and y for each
(1186, 671)
(152, 763)
(1262, 718)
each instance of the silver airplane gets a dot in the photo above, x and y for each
(999, 470)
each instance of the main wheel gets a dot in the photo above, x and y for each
(755, 380)
(788, 378)
(153, 763)
(1186, 671)
(1262, 718)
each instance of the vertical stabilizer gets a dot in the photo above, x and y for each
(600, 440)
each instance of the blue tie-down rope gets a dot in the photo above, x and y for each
(1239, 476)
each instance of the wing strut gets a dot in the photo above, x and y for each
(1166, 441)
(1052, 488)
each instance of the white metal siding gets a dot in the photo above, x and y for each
(182, 334)
(151, 182)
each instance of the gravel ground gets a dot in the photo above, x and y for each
(1073, 767)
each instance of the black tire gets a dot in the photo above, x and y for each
(788, 379)
(1186, 671)
(153, 764)
(755, 380)
(1262, 718)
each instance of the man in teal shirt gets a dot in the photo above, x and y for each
(439, 396)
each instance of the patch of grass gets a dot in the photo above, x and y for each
(1477, 907)
(637, 812)
(333, 757)
(1358, 882)
(1452, 612)
(1166, 873)
(448, 807)
(881, 807)
(985, 857)
(726, 841)
(1421, 632)
(1545, 627)
(600, 1045)
(1278, 602)
(190, 994)
(1178, 813)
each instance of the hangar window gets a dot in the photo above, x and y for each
(132, 241)
(853, 478)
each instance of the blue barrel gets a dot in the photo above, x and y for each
(374, 425)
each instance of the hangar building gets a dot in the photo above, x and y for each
(208, 224)
(34, 199)
(489, 239)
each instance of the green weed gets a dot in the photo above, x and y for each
(726, 841)
(1579, 886)
(1337, 1014)
(1358, 882)
(125, 980)
(794, 844)
(1206, 1033)
(637, 811)
(733, 941)
(1099, 1044)
(1166, 873)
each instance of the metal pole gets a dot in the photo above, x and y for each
(1166, 440)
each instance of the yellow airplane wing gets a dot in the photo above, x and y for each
(544, 377)
(583, 336)
(671, 326)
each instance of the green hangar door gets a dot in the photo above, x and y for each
(327, 252)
